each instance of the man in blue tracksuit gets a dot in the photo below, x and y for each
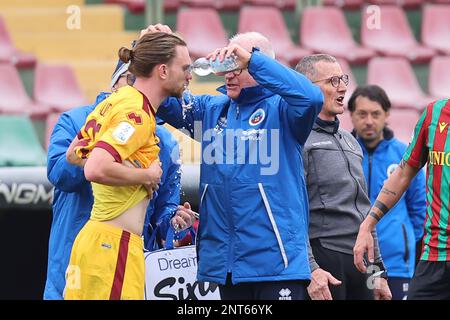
(397, 233)
(72, 202)
(253, 230)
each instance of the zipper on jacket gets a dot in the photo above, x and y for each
(350, 172)
(369, 180)
(230, 225)
(405, 237)
(197, 238)
(274, 225)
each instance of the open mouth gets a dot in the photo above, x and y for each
(340, 100)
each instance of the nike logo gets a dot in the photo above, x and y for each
(442, 126)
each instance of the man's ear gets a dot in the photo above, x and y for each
(163, 71)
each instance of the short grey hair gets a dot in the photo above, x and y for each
(307, 65)
(248, 40)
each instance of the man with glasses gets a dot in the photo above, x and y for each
(253, 228)
(338, 200)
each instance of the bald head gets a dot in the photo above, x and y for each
(248, 40)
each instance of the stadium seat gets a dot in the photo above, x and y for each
(436, 27)
(13, 98)
(324, 29)
(229, 5)
(56, 86)
(397, 78)
(9, 53)
(344, 4)
(202, 29)
(403, 122)
(393, 37)
(50, 123)
(439, 77)
(19, 145)
(281, 4)
(402, 3)
(269, 21)
(138, 6)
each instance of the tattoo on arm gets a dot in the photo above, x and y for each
(381, 206)
(388, 192)
(374, 215)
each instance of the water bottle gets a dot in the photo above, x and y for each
(203, 66)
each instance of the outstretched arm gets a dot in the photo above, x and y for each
(389, 195)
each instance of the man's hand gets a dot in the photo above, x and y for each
(318, 288)
(154, 173)
(381, 290)
(155, 28)
(242, 55)
(363, 244)
(184, 217)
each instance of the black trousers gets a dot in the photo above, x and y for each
(355, 285)
(399, 287)
(268, 290)
(431, 281)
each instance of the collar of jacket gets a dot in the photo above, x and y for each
(388, 135)
(250, 95)
(330, 127)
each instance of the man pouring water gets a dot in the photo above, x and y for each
(253, 230)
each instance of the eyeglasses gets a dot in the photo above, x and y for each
(335, 80)
(235, 72)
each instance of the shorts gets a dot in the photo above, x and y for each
(431, 281)
(106, 263)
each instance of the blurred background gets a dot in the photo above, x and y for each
(59, 54)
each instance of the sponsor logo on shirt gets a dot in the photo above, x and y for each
(123, 132)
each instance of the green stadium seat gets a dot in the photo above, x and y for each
(19, 145)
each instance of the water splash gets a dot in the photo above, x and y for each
(187, 101)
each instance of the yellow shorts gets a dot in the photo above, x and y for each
(106, 263)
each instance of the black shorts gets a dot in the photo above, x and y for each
(431, 281)
(269, 290)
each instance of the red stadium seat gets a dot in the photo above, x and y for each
(50, 123)
(344, 4)
(13, 98)
(270, 22)
(393, 36)
(397, 78)
(436, 27)
(10, 54)
(324, 29)
(57, 87)
(231, 5)
(281, 4)
(403, 122)
(402, 3)
(202, 29)
(439, 77)
(138, 6)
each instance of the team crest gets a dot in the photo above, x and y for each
(257, 117)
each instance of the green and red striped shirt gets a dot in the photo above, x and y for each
(431, 145)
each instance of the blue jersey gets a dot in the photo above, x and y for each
(253, 200)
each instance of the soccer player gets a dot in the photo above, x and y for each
(429, 146)
(106, 260)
